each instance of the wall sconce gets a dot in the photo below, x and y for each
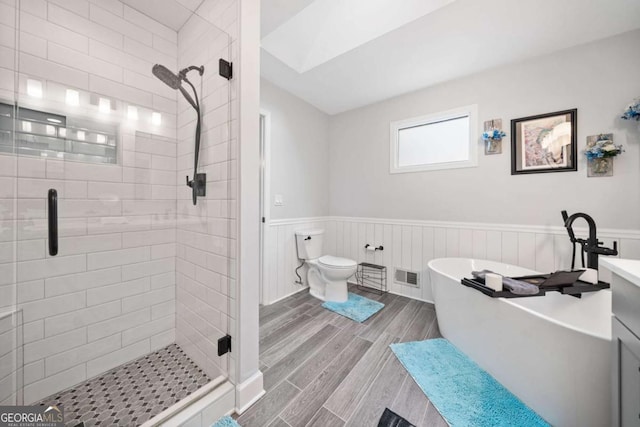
(633, 111)
(492, 136)
(600, 153)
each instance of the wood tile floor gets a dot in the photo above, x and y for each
(322, 369)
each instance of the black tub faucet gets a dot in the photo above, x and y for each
(591, 246)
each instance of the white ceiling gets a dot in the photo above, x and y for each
(274, 13)
(464, 37)
(170, 13)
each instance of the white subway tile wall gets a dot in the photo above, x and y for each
(11, 355)
(128, 232)
(412, 245)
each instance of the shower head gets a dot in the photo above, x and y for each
(166, 76)
(175, 82)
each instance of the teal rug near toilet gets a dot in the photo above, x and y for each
(464, 394)
(356, 308)
(226, 421)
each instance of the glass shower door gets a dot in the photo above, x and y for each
(11, 372)
(69, 199)
(105, 262)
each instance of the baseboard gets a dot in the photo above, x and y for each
(249, 392)
(412, 297)
(287, 296)
(399, 294)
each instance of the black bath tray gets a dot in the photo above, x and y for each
(576, 288)
(580, 287)
(478, 284)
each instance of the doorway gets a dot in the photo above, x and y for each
(265, 132)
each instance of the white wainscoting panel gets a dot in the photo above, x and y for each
(412, 244)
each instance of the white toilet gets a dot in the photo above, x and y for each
(327, 275)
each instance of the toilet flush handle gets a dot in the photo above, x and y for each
(308, 238)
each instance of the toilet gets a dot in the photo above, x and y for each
(327, 275)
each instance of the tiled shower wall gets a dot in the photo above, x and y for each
(206, 239)
(411, 245)
(109, 295)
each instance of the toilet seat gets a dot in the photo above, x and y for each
(336, 262)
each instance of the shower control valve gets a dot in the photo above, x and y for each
(199, 184)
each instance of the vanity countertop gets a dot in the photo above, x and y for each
(629, 269)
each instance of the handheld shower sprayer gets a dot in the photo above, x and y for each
(199, 181)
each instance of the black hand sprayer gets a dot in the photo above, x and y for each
(199, 181)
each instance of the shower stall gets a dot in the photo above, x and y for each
(116, 290)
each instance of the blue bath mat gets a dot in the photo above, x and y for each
(464, 394)
(226, 421)
(356, 308)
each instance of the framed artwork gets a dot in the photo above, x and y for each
(544, 143)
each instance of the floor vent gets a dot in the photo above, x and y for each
(406, 277)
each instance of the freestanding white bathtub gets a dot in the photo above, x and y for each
(553, 352)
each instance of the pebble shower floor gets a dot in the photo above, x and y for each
(132, 393)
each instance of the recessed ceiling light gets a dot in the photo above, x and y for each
(73, 97)
(156, 118)
(50, 130)
(80, 135)
(62, 132)
(26, 126)
(34, 88)
(101, 139)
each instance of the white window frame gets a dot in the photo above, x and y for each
(470, 110)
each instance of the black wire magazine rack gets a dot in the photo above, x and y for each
(372, 277)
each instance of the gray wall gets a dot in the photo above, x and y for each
(299, 154)
(598, 79)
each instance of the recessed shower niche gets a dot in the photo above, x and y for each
(43, 134)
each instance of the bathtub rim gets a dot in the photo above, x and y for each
(513, 303)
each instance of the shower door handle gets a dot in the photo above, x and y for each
(52, 209)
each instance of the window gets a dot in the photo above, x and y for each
(444, 140)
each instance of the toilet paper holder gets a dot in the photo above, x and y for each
(369, 247)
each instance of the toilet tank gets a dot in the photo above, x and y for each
(309, 243)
